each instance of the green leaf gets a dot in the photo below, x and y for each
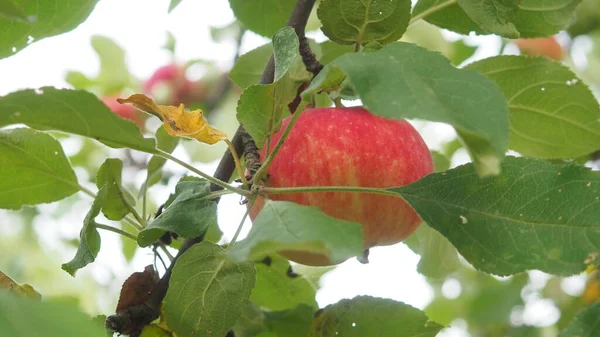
(371, 316)
(285, 50)
(72, 111)
(89, 238)
(534, 215)
(248, 69)
(114, 74)
(27, 318)
(166, 143)
(441, 162)
(493, 16)
(119, 201)
(46, 18)
(278, 287)
(34, 168)
(11, 11)
(207, 292)
(438, 257)
(360, 21)
(261, 107)
(250, 322)
(533, 18)
(263, 17)
(403, 80)
(295, 322)
(173, 4)
(153, 330)
(585, 324)
(287, 225)
(332, 51)
(186, 213)
(552, 113)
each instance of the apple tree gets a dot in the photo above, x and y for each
(326, 166)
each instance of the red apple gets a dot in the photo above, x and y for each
(350, 147)
(126, 111)
(169, 85)
(547, 46)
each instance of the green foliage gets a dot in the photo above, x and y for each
(207, 292)
(263, 17)
(287, 225)
(45, 19)
(438, 256)
(262, 106)
(361, 22)
(89, 238)
(405, 81)
(187, 212)
(119, 201)
(278, 287)
(552, 113)
(515, 221)
(585, 324)
(290, 323)
(11, 11)
(34, 169)
(72, 111)
(20, 317)
(509, 18)
(371, 316)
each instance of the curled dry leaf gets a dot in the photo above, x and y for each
(136, 289)
(177, 121)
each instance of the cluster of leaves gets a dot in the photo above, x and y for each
(504, 215)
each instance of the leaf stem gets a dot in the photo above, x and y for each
(116, 230)
(263, 169)
(431, 10)
(238, 164)
(166, 251)
(86, 191)
(289, 190)
(241, 225)
(202, 174)
(133, 223)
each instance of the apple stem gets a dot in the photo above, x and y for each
(290, 190)
(238, 164)
(213, 180)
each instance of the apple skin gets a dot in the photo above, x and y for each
(350, 147)
(547, 46)
(126, 111)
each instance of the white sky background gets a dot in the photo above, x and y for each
(140, 27)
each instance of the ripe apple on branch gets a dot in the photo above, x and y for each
(349, 147)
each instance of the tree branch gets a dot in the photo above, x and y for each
(145, 313)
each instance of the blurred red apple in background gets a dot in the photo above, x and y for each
(169, 85)
(350, 147)
(547, 46)
(126, 111)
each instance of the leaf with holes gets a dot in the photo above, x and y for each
(535, 215)
(552, 113)
(207, 292)
(35, 169)
(361, 22)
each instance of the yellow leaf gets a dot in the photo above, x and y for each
(177, 121)
(23, 290)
